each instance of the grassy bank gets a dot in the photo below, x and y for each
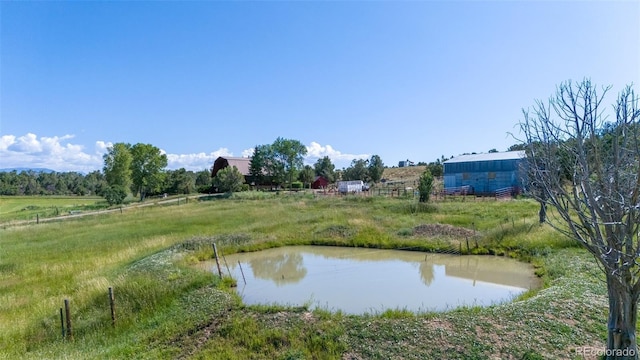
(167, 309)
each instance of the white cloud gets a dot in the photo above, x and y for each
(55, 153)
(101, 147)
(316, 151)
(248, 152)
(6, 141)
(195, 162)
(27, 144)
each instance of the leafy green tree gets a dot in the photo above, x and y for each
(28, 183)
(357, 171)
(9, 183)
(95, 181)
(325, 168)
(229, 180)
(179, 181)
(426, 185)
(203, 181)
(289, 155)
(436, 168)
(297, 185)
(258, 164)
(517, 147)
(117, 165)
(50, 184)
(376, 168)
(74, 183)
(147, 166)
(274, 169)
(115, 194)
(307, 175)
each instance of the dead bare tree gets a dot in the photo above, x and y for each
(587, 169)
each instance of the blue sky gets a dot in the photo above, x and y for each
(349, 79)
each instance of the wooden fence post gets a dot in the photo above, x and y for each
(112, 303)
(67, 311)
(62, 323)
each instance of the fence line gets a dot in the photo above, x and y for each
(504, 193)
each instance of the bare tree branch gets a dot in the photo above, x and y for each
(588, 171)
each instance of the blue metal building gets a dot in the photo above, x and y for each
(484, 174)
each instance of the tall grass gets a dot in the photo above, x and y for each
(144, 254)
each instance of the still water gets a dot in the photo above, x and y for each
(357, 280)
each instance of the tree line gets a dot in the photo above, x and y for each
(30, 182)
(51, 183)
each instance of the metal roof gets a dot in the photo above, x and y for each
(241, 163)
(507, 155)
(223, 161)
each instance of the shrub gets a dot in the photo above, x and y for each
(115, 194)
(228, 179)
(426, 185)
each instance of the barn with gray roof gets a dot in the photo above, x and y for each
(239, 162)
(243, 164)
(484, 174)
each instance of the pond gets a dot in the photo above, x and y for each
(358, 280)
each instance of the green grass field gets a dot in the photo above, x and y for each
(167, 309)
(28, 207)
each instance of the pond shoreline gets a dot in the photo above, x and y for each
(359, 281)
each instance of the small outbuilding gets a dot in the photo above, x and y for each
(351, 187)
(320, 183)
(484, 174)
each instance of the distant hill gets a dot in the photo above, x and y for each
(408, 173)
(36, 170)
(409, 176)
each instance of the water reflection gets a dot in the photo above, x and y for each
(357, 280)
(280, 268)
(426, 272)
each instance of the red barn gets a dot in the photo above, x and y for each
(320, 183)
